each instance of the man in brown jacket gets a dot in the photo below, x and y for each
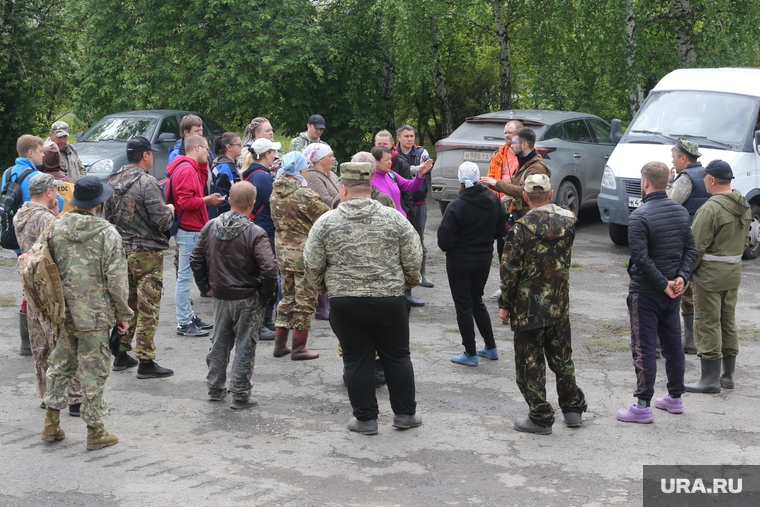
(530, 162)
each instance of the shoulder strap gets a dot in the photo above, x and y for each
(169, 185)
(392, 176)
(24, 174)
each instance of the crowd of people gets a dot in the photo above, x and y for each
(277, 239)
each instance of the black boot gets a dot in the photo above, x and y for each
(727, 379)
(688, 333)
(410, 299)
(151, 369)
(124, 361)
(708, 383)
(23, 326)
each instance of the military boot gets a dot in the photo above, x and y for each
(52, 430)
(425, 282)
(688, 333)
(98, 437)
(727, 379)
(23, 327)
(299, 352)
(708, 383)
(281, 342)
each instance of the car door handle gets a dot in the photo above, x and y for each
(576, 155)
(606, 157)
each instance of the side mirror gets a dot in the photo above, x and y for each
(616, 132)
(78, 136)
(167, 137)
(757, 142)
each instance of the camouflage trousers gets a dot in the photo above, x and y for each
(85, 353)
(41, 338)
(298, 303)
(687, 299)
(236, 324)
(145, 273)
(530, 348)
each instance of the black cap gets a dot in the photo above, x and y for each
(139, 144)
(717, 168)
(317, 121)
(89, 191)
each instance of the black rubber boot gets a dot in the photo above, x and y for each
(708, 383)
(410, 299)
(727, 379)
(688, 333)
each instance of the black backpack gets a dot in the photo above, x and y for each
(10, 201)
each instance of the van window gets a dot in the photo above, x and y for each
(719, 117)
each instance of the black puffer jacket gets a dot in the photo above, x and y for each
(661, 243)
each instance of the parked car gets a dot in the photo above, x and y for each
(103, 148)
(575, 146)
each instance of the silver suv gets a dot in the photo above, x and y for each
(575, 146)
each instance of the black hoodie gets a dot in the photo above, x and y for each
(471, 224)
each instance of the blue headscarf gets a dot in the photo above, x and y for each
(293, 164)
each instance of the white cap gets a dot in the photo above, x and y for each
(263, 145)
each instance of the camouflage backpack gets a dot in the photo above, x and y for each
(42, 282)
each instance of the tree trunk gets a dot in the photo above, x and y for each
(441, 90)
(505, 58)
(635, 91)
(682, 15)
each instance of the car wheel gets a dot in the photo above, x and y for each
(753, 249)
(619, 234)
(443, 205)
(568, 197)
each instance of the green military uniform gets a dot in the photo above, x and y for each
(93, 269)
(294, 210)
(721, 232)
(535, 275)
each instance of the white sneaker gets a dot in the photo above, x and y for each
(496, 294)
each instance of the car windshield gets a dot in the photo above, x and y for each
(700, 116)
(120, 129)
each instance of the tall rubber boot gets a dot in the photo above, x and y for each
(98, 437)
(727, 379)
(425, 282)
(688, 333)
(23, 326)
(709, 381)
(52, 430)
(299, 352)
(411, 300)
(281, 342)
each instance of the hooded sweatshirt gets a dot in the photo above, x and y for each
(363, 249)
(535, 268)
(721, 233)
(188, 180)
(31, 220)
(471, 223)
(93, 268)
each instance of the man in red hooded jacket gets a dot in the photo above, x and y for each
(188, 177)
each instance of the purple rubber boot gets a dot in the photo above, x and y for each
(635, 414)
(672, 405)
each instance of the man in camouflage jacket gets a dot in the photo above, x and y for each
(141, 216)
(70, 162)
(31, 220)
(93, 268)
(535, 296)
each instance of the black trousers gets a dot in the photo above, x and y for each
(366, 325)
(466, 281)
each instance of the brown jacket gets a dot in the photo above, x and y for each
(534, 165)
(233, 259)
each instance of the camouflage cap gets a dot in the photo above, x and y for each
(357, 171)
(42, 183)
(60, 129)
(537, 183)
(689, 147)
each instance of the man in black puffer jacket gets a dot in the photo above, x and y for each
(662, 254)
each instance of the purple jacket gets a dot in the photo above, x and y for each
(385, 184)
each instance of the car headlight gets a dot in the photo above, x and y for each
(608, 179)
(101, 166)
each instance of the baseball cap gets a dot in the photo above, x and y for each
(357, 171)
(60, 129)
(263, 145)
(689, 147)
(317, 121)
(718, 168)
(139, 144)
(42, 183)
(537, 183)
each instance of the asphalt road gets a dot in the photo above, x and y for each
(177, 448)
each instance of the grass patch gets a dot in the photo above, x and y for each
(8, 263)
(576, 265)
(608, 345)
(6, 301)
(625, 263)
(750, 335)
(452, 330)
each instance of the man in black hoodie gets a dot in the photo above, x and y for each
(466, 234)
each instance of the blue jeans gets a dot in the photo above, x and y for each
(184, 309)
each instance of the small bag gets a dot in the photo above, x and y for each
(114, 342)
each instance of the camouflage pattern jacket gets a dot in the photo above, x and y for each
(138, 211)
(363, 249)
(93, 269)
(294, 210)
(70, 162)
(302, 141)
(535, 268)
(31, 220)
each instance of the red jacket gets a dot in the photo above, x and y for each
(188, 181)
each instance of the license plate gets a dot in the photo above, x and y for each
(634, 202)
(477, 156)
